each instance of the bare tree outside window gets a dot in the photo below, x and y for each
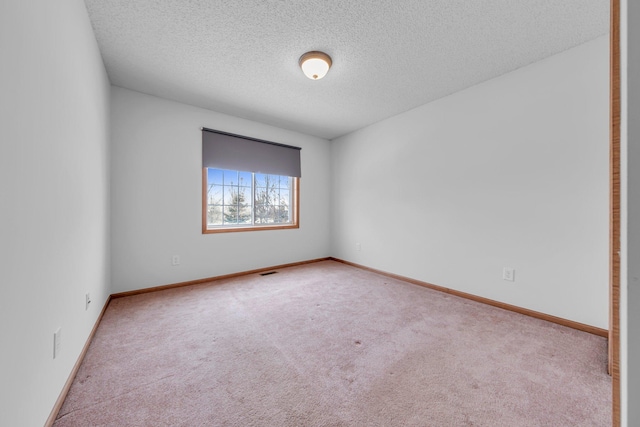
(271, 199)
(236, 198)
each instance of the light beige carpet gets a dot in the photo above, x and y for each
(326, 344)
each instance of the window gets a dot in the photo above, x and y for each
(242, 201)
(248, 183)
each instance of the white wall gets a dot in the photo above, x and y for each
(512, 172)
(630, 285)
(157, 197)
(54, 227)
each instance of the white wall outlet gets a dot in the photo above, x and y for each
(509, 274)
(87, 301)
(57, 342)
(358, 247)
(175, 260)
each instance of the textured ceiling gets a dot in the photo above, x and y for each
(241, 57)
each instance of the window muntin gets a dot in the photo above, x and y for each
(242, 201)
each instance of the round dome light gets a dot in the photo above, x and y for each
(315, 65)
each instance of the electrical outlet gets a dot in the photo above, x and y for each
(57, 342)
(87, 301)
(509, 274)
(358, 247)
(175, 260)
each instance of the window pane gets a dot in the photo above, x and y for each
(265, 214)
(244, 179)
(260, 196)
(231, 200)
(230, 196)
(244, 214)
(214, 197)
(284, 197)
(264, 181)
(242, 196)
(214, 215)
(230, 215)
(214, 176)
(237, 205)
(282, 214)
(260, 180)
(261, 213)
(230, 177)
(285, 182)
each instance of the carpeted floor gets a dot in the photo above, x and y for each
(327, 344)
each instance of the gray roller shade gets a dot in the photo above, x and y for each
(222, 150)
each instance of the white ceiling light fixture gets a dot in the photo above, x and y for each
(315, 64)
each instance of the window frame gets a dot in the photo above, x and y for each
(295, 214)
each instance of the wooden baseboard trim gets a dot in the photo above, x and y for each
(538, 315)
(76, 367)
(213, 279)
